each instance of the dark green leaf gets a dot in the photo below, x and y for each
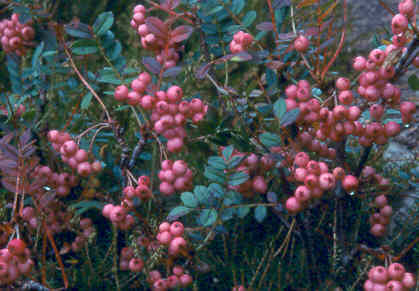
(237, 6)
(290, 117)
(413, 82)
(84, 47)
(189, 199)
(260, 213)
(280, 107)
(238, 178)
(243, 211)
(86, 101)
(249, 18)
(227, 152)
(217, 163)
(208, 217)
(270, 139)
(214, 175)
(103, 23)
(177, 212)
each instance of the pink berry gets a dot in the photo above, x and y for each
(185, 280)
(378, 274)
(343, 83)
(350, 183)
(16, 247)
(396, 271)
(84, 169)
(107, 209)
(121, 93)
(176, 244)
(136, 265)
(302, 194)
(399, 23)
(174, 94)
(302, 159)
(176, 228)
(117, 214)
(301, 44)
(259, 185)
(164, 226)
(359, 63)
(177, 270)
(407, 7)
(166, 188)
(327, 181)
(394, 285)
(293, 205)
(408, 280)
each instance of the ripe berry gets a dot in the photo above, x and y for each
(301, 44)
(16, 247)
(136, 265)
(396, 271)
(176, 228)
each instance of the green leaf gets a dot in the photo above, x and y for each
(237, 6)
(208, 217)
(238, 178)
(217, 163)
(290, 117)
(189, 199)
(202, 194)
(86, 101)
(270, 139)
(103, 23)
(227, 152)
(249, 18)
(84, 47)
(413, 82)
(243, 211)
(215, 175)
(177, 212)
(37, 54)
(260, 213)
(280, 108)
(216, 190)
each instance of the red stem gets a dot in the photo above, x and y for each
(339, 49)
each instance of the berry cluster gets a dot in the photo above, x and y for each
(316, 178)
(172, 235)
(15, 36)
(14, 261)
(29, 216)
(241, 42)
(169, 112)
(301, 44)
(61, 182)
(118, 214)
(174, 176)
(142, 191)
(162, 41)
(393, 278)
(177, 280)
(255, 167)
(381, 219)
(71, 154)
(128, 261)
(88, 229)
(136, 96)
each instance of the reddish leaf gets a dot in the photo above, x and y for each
(170, 4)
(202, 71)
(265, 26)
(181, 33)
(152, 65)
(156, 26)
(6, 165)
(9, 151)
